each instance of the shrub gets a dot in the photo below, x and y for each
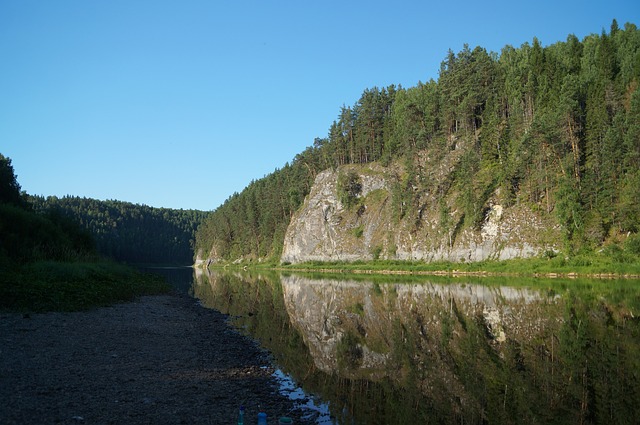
(349, 188)
(376, 251)
(632, 244)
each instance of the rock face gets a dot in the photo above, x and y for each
(324, 229)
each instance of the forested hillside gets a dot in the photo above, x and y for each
(130, 232)
(555, 127)
(26, 236)
(49, 263)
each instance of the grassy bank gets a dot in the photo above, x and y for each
(579, 266)
(70, 286)
(610, 262)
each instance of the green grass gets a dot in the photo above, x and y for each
(71, 286)
(620, 259)
(583, 264)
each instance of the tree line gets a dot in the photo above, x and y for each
(555, 127)
(48, 262)
(27, 236)
(129, 232)
(35, 228)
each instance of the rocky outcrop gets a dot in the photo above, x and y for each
(324, 229)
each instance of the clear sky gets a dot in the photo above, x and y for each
(181, 103)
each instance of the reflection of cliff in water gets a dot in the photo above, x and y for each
(354, 323)
(445, 352)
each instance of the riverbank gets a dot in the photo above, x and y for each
(160, 359)
(44, 286)
(485, 269)
(623, 265)
(462, 273)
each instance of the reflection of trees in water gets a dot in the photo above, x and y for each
(393, 353)
(349, 351)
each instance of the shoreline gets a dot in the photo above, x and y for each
(451, 273)
(462, 273)
(161, 359)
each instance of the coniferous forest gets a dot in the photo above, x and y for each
(49, 262)
(27, 236)
(556, 127)
(128, 232)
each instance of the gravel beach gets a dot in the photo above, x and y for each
(157, 360)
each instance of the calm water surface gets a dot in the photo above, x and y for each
(393, 350)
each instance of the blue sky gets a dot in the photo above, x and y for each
(179, 104)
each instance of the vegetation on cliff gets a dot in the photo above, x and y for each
(556, 128)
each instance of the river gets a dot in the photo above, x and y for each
(404, 350)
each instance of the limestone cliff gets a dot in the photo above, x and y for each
(325, 229)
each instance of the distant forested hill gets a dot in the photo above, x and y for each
(556, 128)
(130, 232)
(48, 262)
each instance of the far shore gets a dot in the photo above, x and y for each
(426, 269)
